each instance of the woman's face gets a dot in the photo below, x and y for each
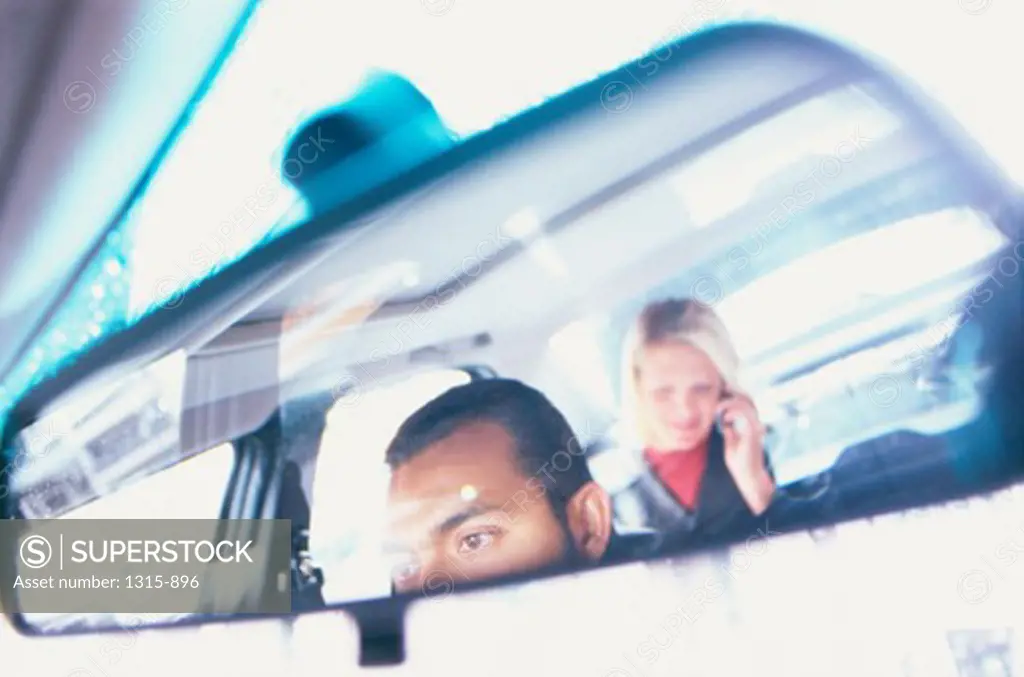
(679, 390)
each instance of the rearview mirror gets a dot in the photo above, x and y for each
(750, 181)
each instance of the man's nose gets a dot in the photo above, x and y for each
(431, 575)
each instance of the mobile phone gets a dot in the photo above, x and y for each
(720, 423)
(719, 417)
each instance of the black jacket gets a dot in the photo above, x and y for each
(646, 503)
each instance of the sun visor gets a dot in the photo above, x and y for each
(230, 390)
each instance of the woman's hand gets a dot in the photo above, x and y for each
(744, 452)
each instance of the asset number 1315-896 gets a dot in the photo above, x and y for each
(156, 582)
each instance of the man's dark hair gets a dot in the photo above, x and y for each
(536, 426)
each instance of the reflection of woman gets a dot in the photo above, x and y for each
(703, 455)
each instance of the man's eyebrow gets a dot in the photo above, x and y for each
(451, 522)
(468, 513)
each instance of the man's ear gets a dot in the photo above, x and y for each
(589, 514)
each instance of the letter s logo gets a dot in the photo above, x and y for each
(35, 552)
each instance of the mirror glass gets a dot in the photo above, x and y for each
(794, 317)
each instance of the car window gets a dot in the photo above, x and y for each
(755, 166)
(760, 325)
(351, 479)
(881, 323)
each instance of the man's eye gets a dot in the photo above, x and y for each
(475, 542)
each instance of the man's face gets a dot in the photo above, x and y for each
(449, 514)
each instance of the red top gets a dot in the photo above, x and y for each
(681, 472)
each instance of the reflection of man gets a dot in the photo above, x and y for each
(485, 482)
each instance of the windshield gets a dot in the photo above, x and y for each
(573, 353)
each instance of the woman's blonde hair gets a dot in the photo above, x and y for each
(675, 321)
